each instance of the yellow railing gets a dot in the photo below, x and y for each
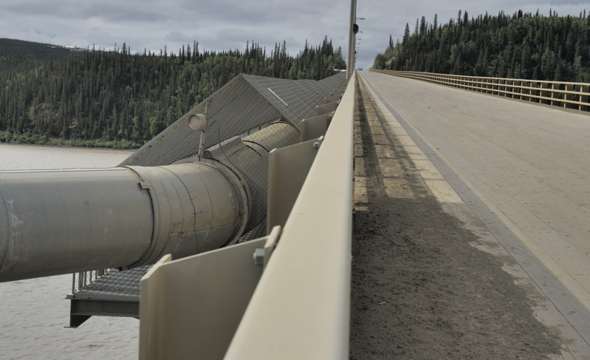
(568, 95)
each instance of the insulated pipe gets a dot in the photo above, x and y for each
(62, 221)
(55, 222)
(249, 159)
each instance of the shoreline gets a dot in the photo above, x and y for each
(68, 147)
(7, 137)
(46, 157)
(78, 144)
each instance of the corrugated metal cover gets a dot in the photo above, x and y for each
(246, 102)
(294, 99)
(333, 84)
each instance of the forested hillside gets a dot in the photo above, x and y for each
(19, 55)
(524, 45)
(121, 99)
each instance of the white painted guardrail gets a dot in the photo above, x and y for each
(568, 95)
(301, 306)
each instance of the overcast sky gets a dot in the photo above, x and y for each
(222, 24)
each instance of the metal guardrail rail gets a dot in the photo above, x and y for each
(301, 306)
(568, 95)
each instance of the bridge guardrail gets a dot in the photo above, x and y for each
(240, 302)
(568, 95)
(301, 306)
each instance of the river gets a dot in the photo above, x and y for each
(34, 313)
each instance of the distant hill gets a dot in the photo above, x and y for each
(29, 48)
(20, 54)
(522, 45)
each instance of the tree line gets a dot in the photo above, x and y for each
(122, 99)
(522, 45)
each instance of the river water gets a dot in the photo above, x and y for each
(34, 313)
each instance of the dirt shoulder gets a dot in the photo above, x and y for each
(421, 288)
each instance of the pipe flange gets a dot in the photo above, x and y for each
(241, 185)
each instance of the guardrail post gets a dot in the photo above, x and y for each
(287, 169)
(565, 98)
(531, 85)
(190, 308)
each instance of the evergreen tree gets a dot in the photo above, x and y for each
(524, 45)
(117, 98)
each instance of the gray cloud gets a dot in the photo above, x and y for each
(221, 24)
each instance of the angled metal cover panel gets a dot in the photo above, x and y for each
(246, 102)
(333, 84)
(232, 110)
(291, 98)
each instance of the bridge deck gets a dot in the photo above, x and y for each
(524, 162)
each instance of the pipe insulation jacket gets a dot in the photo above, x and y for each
(54, 222)
(62, 221)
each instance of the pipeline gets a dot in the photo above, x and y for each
(63, 221)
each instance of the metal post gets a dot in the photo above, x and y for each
(202, 137)
(351, 40)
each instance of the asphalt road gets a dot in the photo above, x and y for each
(529, 164)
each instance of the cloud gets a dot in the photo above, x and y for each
(222, 24)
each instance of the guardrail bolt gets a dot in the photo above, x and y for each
(259, 257)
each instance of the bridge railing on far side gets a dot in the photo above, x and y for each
(568, 95)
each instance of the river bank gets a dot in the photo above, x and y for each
(43, 140)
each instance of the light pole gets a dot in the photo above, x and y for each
(354, 28)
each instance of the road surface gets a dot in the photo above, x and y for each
(428, 280)
(525, 166)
